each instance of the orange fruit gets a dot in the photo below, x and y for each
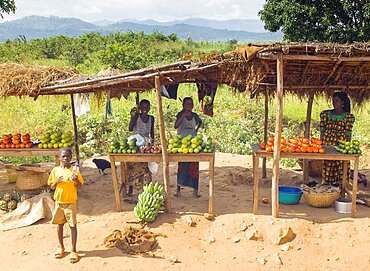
(321, 150)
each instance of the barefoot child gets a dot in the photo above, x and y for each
(65, 196)
(187, 123)
(143, 124)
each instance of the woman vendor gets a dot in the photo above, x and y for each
(335, 125)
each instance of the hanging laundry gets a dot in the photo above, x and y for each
(108, 108)
(81, 104)
(169, 91)
(206, 97)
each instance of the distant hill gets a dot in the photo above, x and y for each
(249, 25)
(195, 28)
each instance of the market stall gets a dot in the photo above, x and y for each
(305, 70)
(330, 154)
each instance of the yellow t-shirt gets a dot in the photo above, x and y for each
(65, 191)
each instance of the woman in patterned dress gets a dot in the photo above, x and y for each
(335, 125)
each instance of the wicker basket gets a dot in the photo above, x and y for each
(314, 167)
(321, 200)
(30, 180)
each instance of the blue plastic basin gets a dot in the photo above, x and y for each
(289, 194)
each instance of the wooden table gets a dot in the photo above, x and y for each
(330, 154)
(34, 151)
(173, 157)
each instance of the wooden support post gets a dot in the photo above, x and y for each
(255, 183)
(162, 133)
(265, 128)
(278, 128)
(354, 187)
(137, 98)
(75, 130)
(307, 134)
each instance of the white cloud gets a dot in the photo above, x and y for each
(163, 10)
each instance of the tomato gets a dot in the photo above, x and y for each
(269, 149)
(271, 139)
(305, 140)
(263, 145)
(293, 141)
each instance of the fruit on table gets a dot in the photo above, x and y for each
(16, 141)
(189, 144)
(123, 146)
(156, 149)
(312, 145)
(350, 147)
(56, 139)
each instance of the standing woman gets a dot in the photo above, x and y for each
(336, 124)
(187, 123)
(138, 174)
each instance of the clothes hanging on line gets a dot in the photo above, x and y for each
(206, 97)
(81, 103)
(169, 91)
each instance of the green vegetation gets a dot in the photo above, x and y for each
(237, 121)
(7, 6)
(318, 20)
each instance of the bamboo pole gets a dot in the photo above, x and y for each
(278, 128)
(307, 134)
(162, 134)
(264, 171)
(75, 130)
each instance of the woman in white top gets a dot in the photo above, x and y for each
(143, 124)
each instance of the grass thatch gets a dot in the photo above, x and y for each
(23, 79)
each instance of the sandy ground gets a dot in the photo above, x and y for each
(324, 239)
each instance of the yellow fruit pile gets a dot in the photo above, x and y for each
(189, 144)
(54, 140)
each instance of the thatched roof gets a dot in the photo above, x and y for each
(24, 79)
(215, 71)
(317, 68)
(308, 68)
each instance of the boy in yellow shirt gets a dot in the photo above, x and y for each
(65, 196)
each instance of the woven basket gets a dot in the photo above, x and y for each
(30, 180)
(321, 200)
(314, 167)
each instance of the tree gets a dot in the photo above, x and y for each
(318, 20)
(7, 6)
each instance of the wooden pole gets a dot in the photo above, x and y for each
(264, 171)
(137, 98)
(307, 134)
(162, 134)
(278, 128)
(75, 130)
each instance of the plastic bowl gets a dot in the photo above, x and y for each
(289, 194)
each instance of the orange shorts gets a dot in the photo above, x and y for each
(64, 213)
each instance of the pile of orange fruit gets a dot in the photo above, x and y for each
(311, 145)
(16, 141)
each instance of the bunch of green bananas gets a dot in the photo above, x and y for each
(150, 202)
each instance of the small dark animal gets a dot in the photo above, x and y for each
(101, 164)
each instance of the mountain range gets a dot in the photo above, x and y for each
(197, 29)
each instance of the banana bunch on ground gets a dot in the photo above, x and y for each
(150, 202)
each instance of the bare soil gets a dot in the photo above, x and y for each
(323, 238)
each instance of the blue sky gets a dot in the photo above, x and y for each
(160, 10)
